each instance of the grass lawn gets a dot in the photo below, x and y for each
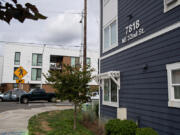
(56, 123)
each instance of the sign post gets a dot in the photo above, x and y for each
(20, 73)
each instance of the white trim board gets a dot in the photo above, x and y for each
(140, 41)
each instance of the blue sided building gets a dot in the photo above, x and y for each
(140, 63)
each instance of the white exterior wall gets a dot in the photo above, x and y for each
(1, 69)
(26, 60)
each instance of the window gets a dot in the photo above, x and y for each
(15, 85)
(14, 76)
(110, 84)
(110, 90)
(88, 61)
(110, 36)
(36, 74)
(36, 59)
(75, 61)
(173, 73)
(17, 58)
(170, 4)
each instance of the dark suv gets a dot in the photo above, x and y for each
(37, 94)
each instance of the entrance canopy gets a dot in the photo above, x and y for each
(114, 75)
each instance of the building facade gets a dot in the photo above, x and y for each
(38, 60)
(140, 63)
(1, 71)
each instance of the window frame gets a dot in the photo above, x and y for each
(37, 60)
(111, 75)
(170, 7)
(14, 76)
(77, 61)
(15, 58)
(110, 102)
(36, 74)
(111, 46)
(15, 85)
(88, 59)
(172, 102)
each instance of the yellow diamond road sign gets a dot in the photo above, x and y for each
(20, 81)
(20, 72)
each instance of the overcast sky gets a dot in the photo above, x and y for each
(61, 28)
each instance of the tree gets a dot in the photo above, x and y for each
(12, 9)
(71, 85)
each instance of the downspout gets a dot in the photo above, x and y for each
(42, 65)
(99, 58)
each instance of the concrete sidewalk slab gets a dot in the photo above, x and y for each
(16, 121)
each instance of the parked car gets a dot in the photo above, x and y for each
(12, 95)
(37, 94)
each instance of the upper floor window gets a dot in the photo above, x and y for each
(14, 76)
(17, 58)
(173, 73)
(170, 4)
(36, 74)
(36, 59)
(110, 36)
(75, 61)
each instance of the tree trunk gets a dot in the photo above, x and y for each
(75, 116)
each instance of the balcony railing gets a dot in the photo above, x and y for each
(55, 66)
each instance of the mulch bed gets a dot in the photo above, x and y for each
(94, 127)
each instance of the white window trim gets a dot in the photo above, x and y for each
(109, 25)
(109, 75)
(145, 39)
(172, 101)
(168, 8)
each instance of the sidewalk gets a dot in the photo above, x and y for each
(15, 122)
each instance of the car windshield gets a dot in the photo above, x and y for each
(37, 90)
(31, 90)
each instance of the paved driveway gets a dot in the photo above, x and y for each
(15, 122)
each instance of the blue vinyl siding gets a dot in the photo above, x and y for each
(145, 92)
(150, 13)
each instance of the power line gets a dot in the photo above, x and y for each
(33, 43)
(62, 12)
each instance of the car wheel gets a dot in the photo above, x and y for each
(1, 99)
(25, 100)
(53, 99)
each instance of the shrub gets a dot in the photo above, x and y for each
(118, 127)
(89, 116)
(146, 131)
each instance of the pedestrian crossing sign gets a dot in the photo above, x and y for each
(20, 72)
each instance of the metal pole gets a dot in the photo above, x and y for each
(85, 35)
(42, 65)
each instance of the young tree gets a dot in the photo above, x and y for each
(12, 9)
(71, 85)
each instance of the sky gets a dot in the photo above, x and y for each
(62, 27)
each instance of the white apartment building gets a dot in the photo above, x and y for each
(1, 68)
(37, 60)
